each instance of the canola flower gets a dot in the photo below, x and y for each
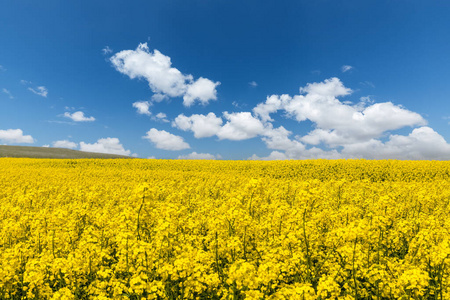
(157, 229)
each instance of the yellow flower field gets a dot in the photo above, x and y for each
(157, 229)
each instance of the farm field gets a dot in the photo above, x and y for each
(47, 152)
(160, 229)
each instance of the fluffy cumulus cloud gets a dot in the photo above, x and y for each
(272, 105)
(240, 126)
(78, 116)
(142, 107)
(338, 123)
(279, 139)
(421, 143)
(201, 90)
(40, 90)
(106, 145)
(356, 129)
(64, 144)
(201, 125)
(195, 155)
(15, 136)
(163, 79)
(341, 129)
(165, 140)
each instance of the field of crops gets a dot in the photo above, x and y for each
(156, 229)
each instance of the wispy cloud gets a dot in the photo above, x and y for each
(40, 90)
(2, 68)
(253, 84)
(367, 83)
(346, 68)
(61, 122)
(107, 50)
(162, 117)
(7, 93)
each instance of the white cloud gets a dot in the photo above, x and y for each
(338, 123)
(195, 155)
(15, 136)
(274, 155)
(45, 146)
(163, 79)
(159, 97)
(105, 145)
(363, 103)
(7, 92)
(202, 90)
(253, 84)
(346, 68)
(2, 68)
(332, 87)
(278, 139)
(348, 125)
(201, 125)
(313, 153)
(142, 107)
(340, 129)
(240, 126)
(107, 50)
(78, 116)
(64, 144)
(273, 104)
(40, 90)
(162, 117)
(354, 128)
(165, 140)
(421, 143)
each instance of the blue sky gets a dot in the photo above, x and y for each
(206, 79)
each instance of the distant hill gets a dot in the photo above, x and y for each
(43, 152)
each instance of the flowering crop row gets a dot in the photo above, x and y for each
(155, 229)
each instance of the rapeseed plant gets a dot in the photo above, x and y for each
(158, 229)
